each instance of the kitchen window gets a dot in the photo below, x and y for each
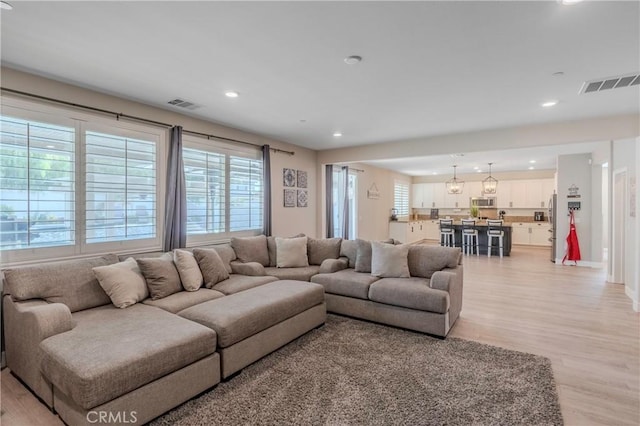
(401, 198)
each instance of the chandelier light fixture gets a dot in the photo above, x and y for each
(490, 184)
(454, 186)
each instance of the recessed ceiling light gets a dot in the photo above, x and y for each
(6, 6)
(558, 74)
(569, 2)
(479, 171)
(434, 173)
(476, 168)
(532, 161)
(549, 104)
(231, 94)
(50, 146)
(352, 60)
(531, 168)
(303, 121)
(337, 134)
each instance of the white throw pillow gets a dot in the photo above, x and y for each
(291, 252)
(188, 268)
(389, 261)
(123, 282)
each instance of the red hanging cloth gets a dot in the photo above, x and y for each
(573, 247)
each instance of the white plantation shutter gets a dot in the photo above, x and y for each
(205, 181)
(401, 198)
(37, 184)
(245, 194)
(120, 188)
(224, 190)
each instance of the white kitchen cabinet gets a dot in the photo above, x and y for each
(432, 229)
(518, 194)
(417, 195)
(504, 194)
(471, 190)
(530, 234)
(407, 232)
(548, 187)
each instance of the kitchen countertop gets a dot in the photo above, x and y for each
(456, 221)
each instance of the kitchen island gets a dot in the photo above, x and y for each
(483, 239)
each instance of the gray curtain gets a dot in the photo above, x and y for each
(345, 203)
(329, 199)
(266, 184)
(175, 220)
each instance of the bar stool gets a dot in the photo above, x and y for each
(494, 230)
(447, 235)
(470, 237)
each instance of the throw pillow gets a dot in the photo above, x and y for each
(161, 275)
(211, 265)
(323, 248)
(271, 248)
(389, 261)
(363, 256)
(424, 260)
(349, 249)
(292, 252)
(251, 249)
(188, 269)
(123, 282)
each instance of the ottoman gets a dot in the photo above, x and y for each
(255, 322)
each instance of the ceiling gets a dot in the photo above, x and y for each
(428, 68)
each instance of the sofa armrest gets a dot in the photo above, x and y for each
(26, 324)
(253, 269)
(329, 266)
(451, 281)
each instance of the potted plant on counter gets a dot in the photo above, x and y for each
(473, 211)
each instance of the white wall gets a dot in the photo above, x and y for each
(575, 170)
(626, 156)
(285, 220)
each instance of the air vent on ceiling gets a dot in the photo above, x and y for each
(610, 83)
(181, 103)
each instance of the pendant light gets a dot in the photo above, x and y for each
(454, 186)
(490, 184)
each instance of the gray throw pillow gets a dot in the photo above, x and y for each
(123, 282)
(323, 248)
(188, 269)
(273, 253)
(349, 249)
(389, 261)
(161, 275)
(292, 252)
(363, 256)
(211, 265)
(251, 249)
(424, 260)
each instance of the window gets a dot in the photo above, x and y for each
(120, 188)
(224, 190)
(37, 181)
(401, 198)
(77, 186)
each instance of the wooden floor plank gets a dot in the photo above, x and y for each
(571, 315)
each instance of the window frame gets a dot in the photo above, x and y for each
(82, 122)
(407, 185)
(220, 147)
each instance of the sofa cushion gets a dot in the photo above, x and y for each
(241, 315)
(123, 282)
(271, 248)
(363, 256)
(300, 274)
(227, 254)
(251, 249)
(71, 282)
(413, 293)
(424, 260)
(188, 269)
(347, 282)
(161, 275)
(236, 283)
(389, 260)
(291, 252)
(184, 299)
(113, 351)
(320, 249)
(211, 265)
(349, 249)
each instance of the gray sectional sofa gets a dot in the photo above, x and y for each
(67, 340)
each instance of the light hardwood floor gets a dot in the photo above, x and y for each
(526, 303)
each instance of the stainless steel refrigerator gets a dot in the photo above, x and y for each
(553, 220)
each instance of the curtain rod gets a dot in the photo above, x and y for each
(119, 115)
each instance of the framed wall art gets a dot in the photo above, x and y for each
(302, 179)
(289, 197)
(289, 177)
(303, 198)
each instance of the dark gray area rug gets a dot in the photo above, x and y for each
(355, 372)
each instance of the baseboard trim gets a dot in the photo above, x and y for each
(630, 295)
(583, 263)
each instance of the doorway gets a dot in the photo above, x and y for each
(618, 214)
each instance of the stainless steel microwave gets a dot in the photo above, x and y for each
(483, 202)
